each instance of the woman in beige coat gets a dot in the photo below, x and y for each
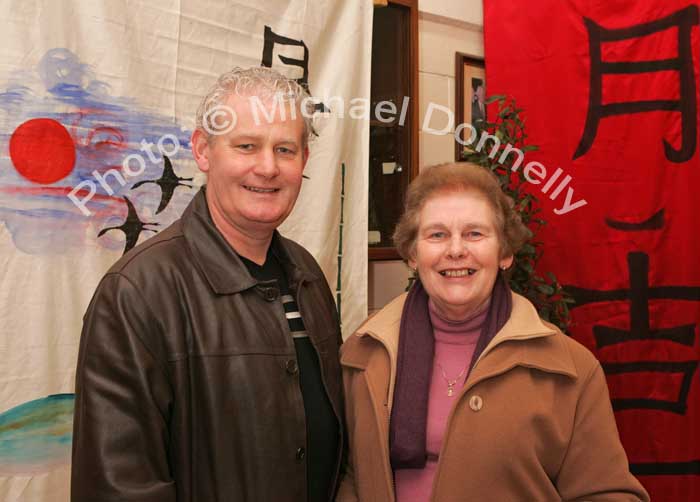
(457, 390)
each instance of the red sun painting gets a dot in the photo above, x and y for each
(42, 150)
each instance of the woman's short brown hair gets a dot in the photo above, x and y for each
(459, 177)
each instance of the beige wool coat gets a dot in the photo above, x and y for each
(533, 423)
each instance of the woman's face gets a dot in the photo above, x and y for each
(457, 252)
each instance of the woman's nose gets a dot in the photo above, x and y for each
(457, 247)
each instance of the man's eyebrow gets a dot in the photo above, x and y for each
(243, 137)
(288, 141)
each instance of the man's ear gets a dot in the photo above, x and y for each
(200, 150)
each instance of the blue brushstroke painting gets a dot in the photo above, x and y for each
(105, 129)
(36, 436)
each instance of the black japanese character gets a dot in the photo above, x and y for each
(683, 20)
(272, 38)
(639, 294)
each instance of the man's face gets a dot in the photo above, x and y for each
(480, 93)
(255, 170)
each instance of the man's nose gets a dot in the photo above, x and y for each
(266, 165)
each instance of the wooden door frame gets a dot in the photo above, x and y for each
(390, 253)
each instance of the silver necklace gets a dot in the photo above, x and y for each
(451, 383)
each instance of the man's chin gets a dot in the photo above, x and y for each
(266, 222)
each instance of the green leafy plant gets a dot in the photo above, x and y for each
(547, 294)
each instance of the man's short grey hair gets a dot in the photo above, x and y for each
(262, 82)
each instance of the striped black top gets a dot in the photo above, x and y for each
(291, 312)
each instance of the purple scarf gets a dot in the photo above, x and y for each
(409, 413)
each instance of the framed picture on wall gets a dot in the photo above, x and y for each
(470, 88)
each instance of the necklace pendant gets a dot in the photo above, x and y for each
(451, 383)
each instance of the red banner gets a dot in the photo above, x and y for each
(610, 95)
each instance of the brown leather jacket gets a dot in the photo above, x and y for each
(186, 388)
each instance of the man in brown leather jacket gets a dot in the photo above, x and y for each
(208, 366)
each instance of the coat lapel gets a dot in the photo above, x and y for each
(544, 352)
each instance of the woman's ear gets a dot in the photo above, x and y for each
(506, 263)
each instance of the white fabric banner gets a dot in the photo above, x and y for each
(85, 86)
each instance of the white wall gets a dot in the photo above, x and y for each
(468, 11)
(445, 27)
(439, 39)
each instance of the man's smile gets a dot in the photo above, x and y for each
(260, 189)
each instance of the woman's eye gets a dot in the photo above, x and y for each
(437, 235)
(474, 234)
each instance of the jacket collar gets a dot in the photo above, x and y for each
(524, 324)
(220, 264)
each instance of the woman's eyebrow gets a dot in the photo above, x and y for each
(432, 225)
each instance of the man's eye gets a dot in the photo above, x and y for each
(286, 151)
(474, 234)
(245, 146)
(437, 235)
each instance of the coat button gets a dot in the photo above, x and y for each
(292, 367)
(271, 294)
(476, 403)
(301, 453)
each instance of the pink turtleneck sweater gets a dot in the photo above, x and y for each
(454, 347)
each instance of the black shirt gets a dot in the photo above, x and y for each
(321, 424)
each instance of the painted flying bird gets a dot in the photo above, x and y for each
(168, 182)
(132, 227)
